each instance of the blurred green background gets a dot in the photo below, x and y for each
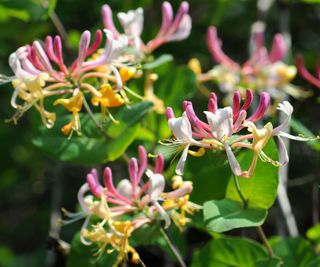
(27, 177)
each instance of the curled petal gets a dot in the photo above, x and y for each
(287, 109)
(234, 164)
(182, 160)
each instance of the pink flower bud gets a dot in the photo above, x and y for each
(279, 48)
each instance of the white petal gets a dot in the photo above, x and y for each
(181, 128)
(125, 188)
(287, 109)
(220, 122)
(132, 21)
(297, 138)
(182, 161)
(283, 153)
(114, 48)
(234, 164)
(157, 184)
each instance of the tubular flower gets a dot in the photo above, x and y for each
(130, 205)
(263, 71)
(40, 72)
(172, 28)
(313, 79)
(221, 132)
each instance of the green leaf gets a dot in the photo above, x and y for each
(210, 180)
(314, 233)
(260, 192)
(269, 262)
(294, 252)
(224, 215)
(165, 58)
(225, 252)
(92, 147)
(83, 256)
(299, 128)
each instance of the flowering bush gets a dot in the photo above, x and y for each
(130, 92)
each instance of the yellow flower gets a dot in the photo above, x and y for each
(74, 105)
(260, 136)
(127, 73)
(117, 236)
(194, 65)
(109, 98)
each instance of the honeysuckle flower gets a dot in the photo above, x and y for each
(172, 28)
(133, 203)
(40, 72)
(280, 132)
(74, 105)
(225, 131)
(217, 134)
(263, 71)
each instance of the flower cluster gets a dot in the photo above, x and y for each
(40, 72)
(131, 205)
(263, 71)
(172, 28)
(224, 131)
(40, 69)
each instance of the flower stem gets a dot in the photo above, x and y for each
(265, 240)
(91, 115)
(236, 182)
(173, 248)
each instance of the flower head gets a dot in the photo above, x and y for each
(133, 203)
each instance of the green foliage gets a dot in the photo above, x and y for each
(210, 180)
(235, 252)
(224, 215)
(314, 233)
(92, 147)
(295, 252)
(259, 191)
